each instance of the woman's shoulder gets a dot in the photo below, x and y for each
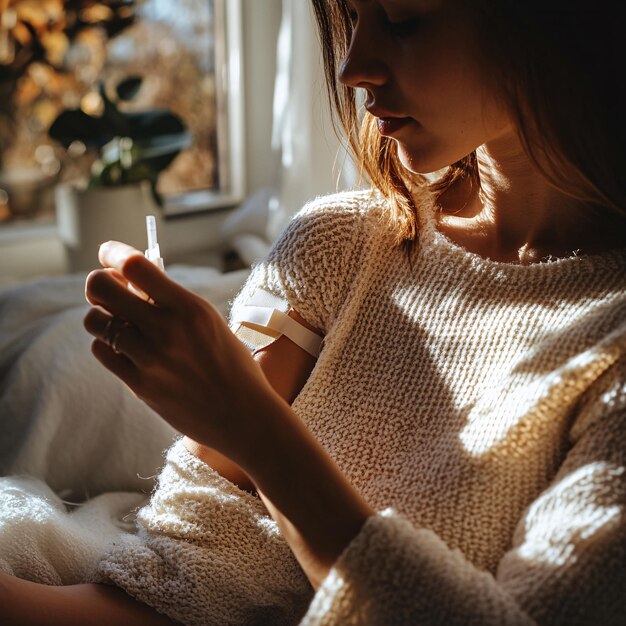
(332, 223)
(355, 207)
(319, 254)
(356, 201)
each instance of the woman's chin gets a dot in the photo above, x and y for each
(424, 161)
(419, 162)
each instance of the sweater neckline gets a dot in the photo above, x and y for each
(433, 241)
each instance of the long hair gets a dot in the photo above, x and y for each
(552, 65)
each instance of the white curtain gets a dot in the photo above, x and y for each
(313, 161)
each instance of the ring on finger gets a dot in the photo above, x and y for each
(114, 326)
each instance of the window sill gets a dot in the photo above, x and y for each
(197, 203)
(191, 236)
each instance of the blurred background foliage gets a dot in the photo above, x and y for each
(35, 39)
(53, 55)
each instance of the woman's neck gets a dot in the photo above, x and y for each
(518, 217)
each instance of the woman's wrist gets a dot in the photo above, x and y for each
(318, 510)
(259, 420)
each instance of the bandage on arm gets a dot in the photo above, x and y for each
(264, 318)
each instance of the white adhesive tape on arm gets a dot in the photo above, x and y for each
(279, 322)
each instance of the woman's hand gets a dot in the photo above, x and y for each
(176, 353)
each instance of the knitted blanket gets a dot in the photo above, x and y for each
(208, 553)
(202, 551)
(45, 539)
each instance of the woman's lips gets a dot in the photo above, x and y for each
(389, 125)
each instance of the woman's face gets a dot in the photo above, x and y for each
(417, 62)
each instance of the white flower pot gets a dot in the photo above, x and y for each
(88, 217)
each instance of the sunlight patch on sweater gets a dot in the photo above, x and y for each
(520, 400)
(563, 523)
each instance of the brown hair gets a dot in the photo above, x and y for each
(552, 66)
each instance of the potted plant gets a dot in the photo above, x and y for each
(134, 148)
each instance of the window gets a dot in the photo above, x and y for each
(53, 55)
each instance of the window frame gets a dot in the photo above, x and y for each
(230, 103)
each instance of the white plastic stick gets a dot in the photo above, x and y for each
(152, 234)
(153, 253)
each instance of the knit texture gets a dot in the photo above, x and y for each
(480, 405)
(207, 553)
(47, 540)
(484, 402)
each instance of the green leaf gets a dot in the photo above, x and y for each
(112, 174)
(129, 88)
(159, 152)
(163, 145)
(141, 171)
(153, 123)
(76, 125)
(112, 116)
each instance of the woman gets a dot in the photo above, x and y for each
(473, 370)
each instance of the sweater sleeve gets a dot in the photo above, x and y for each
(207, 553)
(566, 564)
(312, 263)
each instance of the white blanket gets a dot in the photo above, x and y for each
(74, 429)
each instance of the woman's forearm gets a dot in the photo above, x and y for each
(317, 509)
(25, 603)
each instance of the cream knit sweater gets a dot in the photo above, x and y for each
(480, 406)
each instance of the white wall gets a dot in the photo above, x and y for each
(261, 21)
(313, 161)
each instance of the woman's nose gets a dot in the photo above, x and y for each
(362, 66)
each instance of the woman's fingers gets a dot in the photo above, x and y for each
(118, 364)
(115, 253)
(131, 264)
(120, 336)
(104, 289)
(118, 277)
